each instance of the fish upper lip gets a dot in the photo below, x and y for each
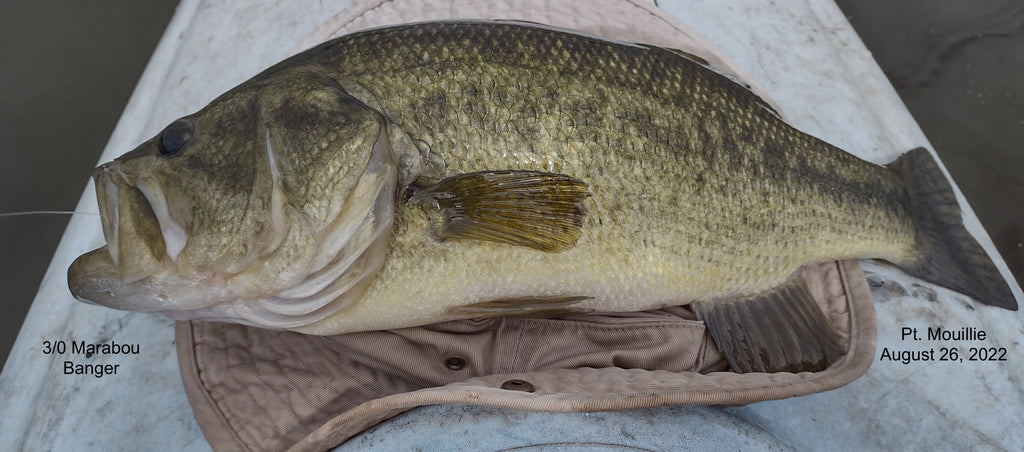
(106, 198)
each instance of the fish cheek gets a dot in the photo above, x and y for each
(319, 143)
(210, 192)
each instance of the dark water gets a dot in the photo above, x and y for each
(959, 67)
(68, 68)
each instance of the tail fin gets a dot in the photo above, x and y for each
(948, 255)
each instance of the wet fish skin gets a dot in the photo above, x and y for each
(735, 205)
(301, 192)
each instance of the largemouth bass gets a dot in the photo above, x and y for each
(428, 172)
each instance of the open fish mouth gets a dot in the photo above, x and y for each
(131, 225)
(142, 240)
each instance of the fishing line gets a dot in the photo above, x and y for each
(45, 212)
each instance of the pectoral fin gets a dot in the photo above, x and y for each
(782, 330)
(526, 208)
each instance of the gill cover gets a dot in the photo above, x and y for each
(345, 221)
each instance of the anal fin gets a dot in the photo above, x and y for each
(782, 330)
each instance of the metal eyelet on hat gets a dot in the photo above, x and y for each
(455, 362)
(518, 385)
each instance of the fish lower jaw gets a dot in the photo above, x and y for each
(94, 279)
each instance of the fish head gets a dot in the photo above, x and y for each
(270, 206)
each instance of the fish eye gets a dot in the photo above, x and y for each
(174, 136)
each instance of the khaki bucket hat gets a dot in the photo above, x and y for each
(254, 389)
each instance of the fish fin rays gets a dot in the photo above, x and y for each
(527, 208)
(782, 330)
(690, 56)
(522, 307)
(947, 253)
